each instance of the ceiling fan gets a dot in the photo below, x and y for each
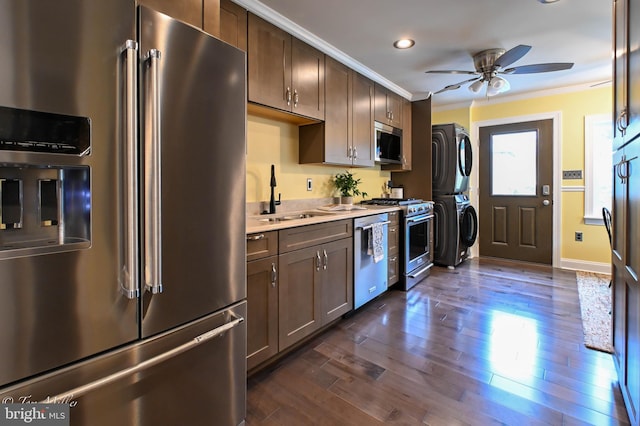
(491, 63)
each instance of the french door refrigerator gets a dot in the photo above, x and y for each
(122, 215)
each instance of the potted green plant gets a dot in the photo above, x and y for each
(347, 185)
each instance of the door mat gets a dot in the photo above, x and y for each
(595, 306)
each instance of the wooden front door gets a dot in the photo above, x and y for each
(516, 191)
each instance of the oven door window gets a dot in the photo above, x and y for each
(418, 243)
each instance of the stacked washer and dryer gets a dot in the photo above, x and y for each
(455, 219)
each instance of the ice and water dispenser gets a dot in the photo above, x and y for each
(45, 200)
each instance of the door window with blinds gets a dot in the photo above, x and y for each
(514, 159)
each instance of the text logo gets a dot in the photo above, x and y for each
(34, 414)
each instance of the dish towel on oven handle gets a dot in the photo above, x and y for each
(376, 242)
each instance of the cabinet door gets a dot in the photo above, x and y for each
(337, 279)
(620, 70)
(631, 176)
(406, 135)
(262, 310)
(307, 80)
(299, 311)
(633, 76)
(269, 64)
(233, 24)
(337, 147)
(362, 106)
(626, 338)
(189, 11)
(393, 267)
(381, 113)
(211, 17)
(626, 266)
(394, 107)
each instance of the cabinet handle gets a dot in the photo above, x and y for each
(355, 152)
(274, 275)
(623, 126)
(349, 152)
(255, 237)
(618, 168)
(296, 98)
(287, 96)
(318, 261)
(326, 259)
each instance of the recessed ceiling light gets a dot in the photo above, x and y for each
(547, 1)
(403, 43)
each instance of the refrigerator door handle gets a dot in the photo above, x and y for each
(129, 268)
(152, 175)
(104, 381)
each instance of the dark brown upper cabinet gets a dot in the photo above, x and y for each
(204, 14)
(233, 24)
(388, 107)
(346, 135)
(626, 71)
(284, 72)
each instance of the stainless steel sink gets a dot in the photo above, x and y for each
(293, 216)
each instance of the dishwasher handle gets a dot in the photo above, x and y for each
(364, 228)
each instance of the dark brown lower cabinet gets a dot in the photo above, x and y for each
(625, 272)
(393, 266)
(316, 287)
(262, 310)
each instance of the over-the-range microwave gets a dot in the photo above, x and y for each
(388, 144)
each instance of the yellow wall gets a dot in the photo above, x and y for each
(461, 116)
(573, 107)
(275, 142)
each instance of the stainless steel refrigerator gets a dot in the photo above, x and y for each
(122, 215)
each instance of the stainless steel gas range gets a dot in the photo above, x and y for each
(417, 237)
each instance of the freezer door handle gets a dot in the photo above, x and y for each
(152, 177)
(104, 381)
(129, 262)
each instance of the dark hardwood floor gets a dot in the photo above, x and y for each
(488, 343)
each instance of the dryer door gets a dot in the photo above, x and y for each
(468, 226)
(465, 156)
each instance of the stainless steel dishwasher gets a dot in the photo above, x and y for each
(370, 277)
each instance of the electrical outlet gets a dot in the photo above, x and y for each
(579, 236)
(572, 174)
(309, 184)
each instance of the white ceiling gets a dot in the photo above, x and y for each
(360, 33)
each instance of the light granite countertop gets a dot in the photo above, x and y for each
(290, 219)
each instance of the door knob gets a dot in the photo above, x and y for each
(546, 202)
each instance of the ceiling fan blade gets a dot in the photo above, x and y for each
(456, 86)
(512, 55)
(536, 68)
(450, 72)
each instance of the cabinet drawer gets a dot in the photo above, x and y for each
(262, 244)
(306, 236)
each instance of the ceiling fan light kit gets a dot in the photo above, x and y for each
(491, 62)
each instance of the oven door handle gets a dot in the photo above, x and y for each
(420, 272)
(419, 218)
(364, 228)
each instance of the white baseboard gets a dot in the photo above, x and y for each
(584, 265)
